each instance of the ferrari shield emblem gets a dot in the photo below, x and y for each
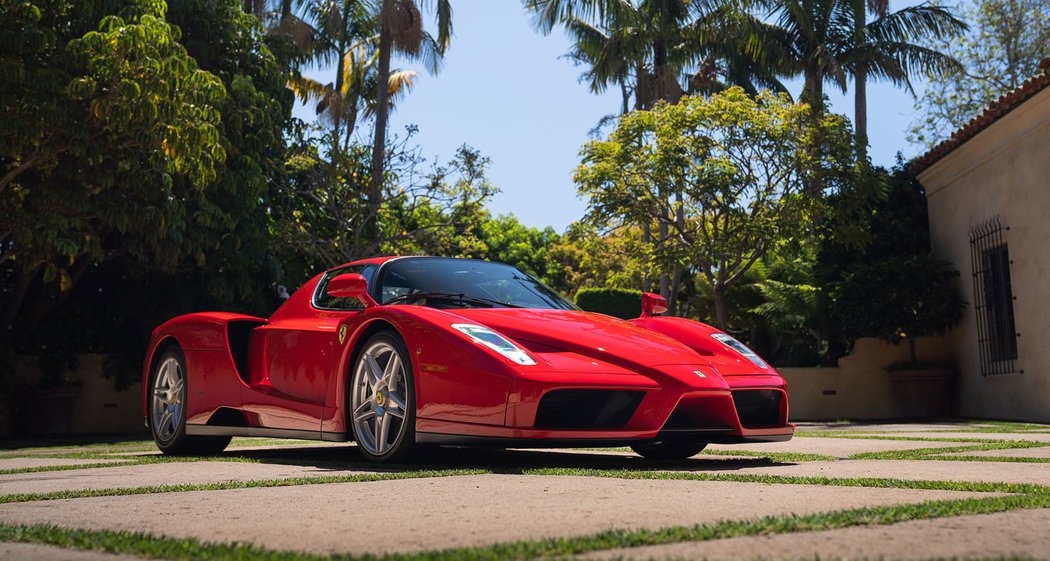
(342, 334)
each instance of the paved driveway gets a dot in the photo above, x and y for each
(900, 491)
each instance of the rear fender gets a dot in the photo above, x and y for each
(215, 345)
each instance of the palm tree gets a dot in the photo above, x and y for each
(400, 27)
(351, 96)
(820, 40)
(860, 91)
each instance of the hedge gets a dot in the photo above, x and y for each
(617, 302)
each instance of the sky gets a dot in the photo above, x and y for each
(507, 90)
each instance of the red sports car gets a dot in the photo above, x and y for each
(398, 351)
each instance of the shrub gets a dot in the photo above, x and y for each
(617, 302)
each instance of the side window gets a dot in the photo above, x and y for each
(325, 302)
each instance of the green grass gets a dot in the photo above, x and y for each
(937, 453)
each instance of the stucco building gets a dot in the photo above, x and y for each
(988, 189)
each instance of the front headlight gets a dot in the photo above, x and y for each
(494, 341)
(740, 348)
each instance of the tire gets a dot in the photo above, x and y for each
(167, 410)
(381, 399)
(668, 450)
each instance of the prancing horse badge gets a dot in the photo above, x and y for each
(342, 334)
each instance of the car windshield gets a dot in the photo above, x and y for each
(443, 282)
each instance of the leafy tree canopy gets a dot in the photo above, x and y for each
(724, 174)
(1006, 42)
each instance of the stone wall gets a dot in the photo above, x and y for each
(859, 387)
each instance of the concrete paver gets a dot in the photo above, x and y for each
(144, 475)
(26, 463)
(441, 512)
(1021, 533)
(36, 552)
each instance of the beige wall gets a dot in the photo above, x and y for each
(98, 408)
(1005, 171)
(859, 388)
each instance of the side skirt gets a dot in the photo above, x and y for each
(212, 430)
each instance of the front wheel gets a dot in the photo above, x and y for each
(382, 401)
(167, 410)
(668, 450)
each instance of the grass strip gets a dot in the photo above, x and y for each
(225, 485)
(937, 453)
(147, 545)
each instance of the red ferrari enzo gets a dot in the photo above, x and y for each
(398, 351)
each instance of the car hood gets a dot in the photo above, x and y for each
(596, 336)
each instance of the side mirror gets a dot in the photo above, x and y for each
(653, 304)
(350, 285)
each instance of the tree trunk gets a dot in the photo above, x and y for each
(676, 287)
(647, 238)
(721, 313)
(660, 243)
(375, 179)
(860, 111)
(336, 105)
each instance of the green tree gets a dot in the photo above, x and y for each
(649, 48)
(131, 237)
(400, 25)
(724, 174)
(104, 117)
(1006, 42)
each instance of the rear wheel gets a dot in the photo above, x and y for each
(167, 410)
(382, 412)
(668, 450)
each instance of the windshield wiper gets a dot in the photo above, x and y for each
(459, 297)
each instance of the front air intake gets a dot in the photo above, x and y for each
(586, 409)
(758, 408)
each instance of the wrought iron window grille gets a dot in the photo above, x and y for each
(993, 298)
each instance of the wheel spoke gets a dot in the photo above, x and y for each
(392, 371)
(373, 371)
(362, 417)
(380, 434)
(397, 402)
(165, 420)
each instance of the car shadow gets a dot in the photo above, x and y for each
(498, 460)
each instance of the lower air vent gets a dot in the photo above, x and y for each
(586, 409)
(758, 408)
